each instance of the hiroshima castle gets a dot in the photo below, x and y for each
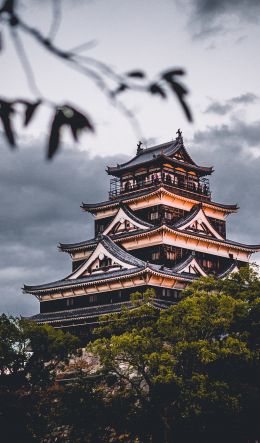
(158, 229)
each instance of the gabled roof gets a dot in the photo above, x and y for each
(179, 227)
(124, 213)
(166, 150)
(107, 248)
(190, 266)
(196, 217)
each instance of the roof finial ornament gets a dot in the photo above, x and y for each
(139, 149)
(179, 137)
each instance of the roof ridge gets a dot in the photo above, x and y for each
(188, 217)
(183, 263)
(134, 216)
(122, 254)
(229, 269)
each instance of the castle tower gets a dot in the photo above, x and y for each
(159, 229)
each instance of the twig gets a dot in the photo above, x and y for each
(56, 19)
(21, 54)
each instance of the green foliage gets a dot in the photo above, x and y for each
(29, 354)
(189, 373)
(193, 366)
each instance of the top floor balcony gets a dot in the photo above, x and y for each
(182, 184)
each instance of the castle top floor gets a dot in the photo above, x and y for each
(169, 164)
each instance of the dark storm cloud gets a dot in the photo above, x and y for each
(222, 108)
(245, 9)
(209, 16)
(40, 207)
(234, 151)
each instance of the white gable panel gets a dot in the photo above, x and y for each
(193, 268)
(99, 252)
(120, 218)
(200, 221)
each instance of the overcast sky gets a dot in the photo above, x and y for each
(215, 41)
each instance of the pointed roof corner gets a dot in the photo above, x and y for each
(231, 269)
(189, 265)
(107, 248)
(123, 214)
(197, 217)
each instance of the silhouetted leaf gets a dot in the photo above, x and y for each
(154, 88)
(54, 139)
(6, 111)
(30, 110)
(78, 122)
(178, 89)
(136, 74)
(168, 75)
(70, 117)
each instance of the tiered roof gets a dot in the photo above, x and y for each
(130, 265)
(180, 226)
(154, 190)
(108, 265)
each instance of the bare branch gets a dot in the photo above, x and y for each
(21, 54)
(56, 19)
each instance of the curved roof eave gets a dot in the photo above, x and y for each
(92, 207)
(115, 170)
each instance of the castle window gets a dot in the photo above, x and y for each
(168, 215)
(93, 298)
(69, 302)
(154, 215)
(176, 294)
(156, 255)
(105, 262)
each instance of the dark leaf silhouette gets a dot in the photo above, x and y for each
(136, 74)
(78, 122)
(170, 74)
(54, 139)
(70, 117)
(30, 109)
(6, 111)
(154, 88)
(178, 89)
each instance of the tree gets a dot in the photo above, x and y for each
(111, 83)
(29, 358)
(191, 372)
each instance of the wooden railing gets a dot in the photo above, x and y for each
(200, 192)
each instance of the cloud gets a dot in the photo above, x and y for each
(244, 9)
(210, 17)
(216, 107)
(40, 207)
(234, 150)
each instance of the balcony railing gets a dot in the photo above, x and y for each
(200, 191)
